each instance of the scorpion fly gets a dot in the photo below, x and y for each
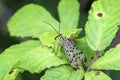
(73, 54)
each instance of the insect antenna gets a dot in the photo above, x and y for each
(59, 34)
(51, 26)
(59, 29)
(55, 31)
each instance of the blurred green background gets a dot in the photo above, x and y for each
(9, 7)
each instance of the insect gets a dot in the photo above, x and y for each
(72, 52)
(70, 49)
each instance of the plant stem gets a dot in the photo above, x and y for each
(94, 59)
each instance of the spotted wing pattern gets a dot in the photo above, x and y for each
(72, 52)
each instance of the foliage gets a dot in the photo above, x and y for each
(38, 55)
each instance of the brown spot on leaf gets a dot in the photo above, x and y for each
(99, 14)
(11, 72)
(97, 73)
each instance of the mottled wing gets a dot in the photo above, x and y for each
(68, 47)
(77, 52)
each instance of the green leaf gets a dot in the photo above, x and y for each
(11, 75)
(76, 33)
(83, 46)
(102, 23)
(96, 75)
(48, 39)
(29, 55)
(110, 61)
(63, 73)
(69, 16)
(32, 21)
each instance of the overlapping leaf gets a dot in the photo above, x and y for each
(69, 16)
(30, 55)
(96, 75)
(110, 61)
(35, 21)
(32, 21)
(63, 73)
(102, 23)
